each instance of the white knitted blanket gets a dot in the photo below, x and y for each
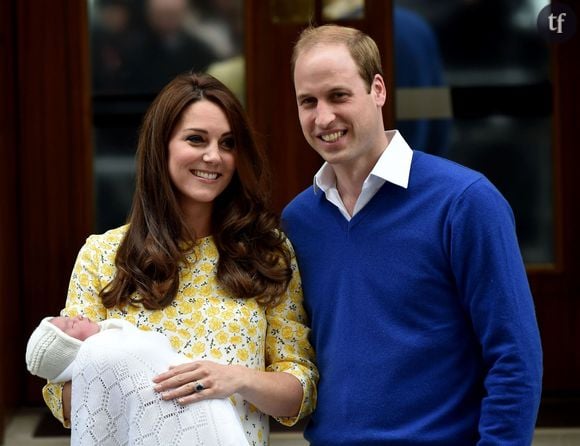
(113, 401)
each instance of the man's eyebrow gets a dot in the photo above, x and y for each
(303, 96)
(340, 88)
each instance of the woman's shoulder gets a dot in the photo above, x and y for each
(107, 241)
(111, 236)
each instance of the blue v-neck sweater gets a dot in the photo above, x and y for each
(422, 317)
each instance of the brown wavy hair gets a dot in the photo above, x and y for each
(254, 258)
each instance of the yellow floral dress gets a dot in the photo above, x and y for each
(204, 322)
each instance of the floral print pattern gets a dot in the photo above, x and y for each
(204, 322)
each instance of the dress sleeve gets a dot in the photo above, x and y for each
(287, 346)
(89, 276)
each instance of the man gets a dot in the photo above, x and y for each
(422, 317)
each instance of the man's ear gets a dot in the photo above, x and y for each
(379, 90)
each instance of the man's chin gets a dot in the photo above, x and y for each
(329, 150)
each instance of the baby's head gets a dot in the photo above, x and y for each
(54, 344)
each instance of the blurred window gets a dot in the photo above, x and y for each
(138, 46)
(473, 85)
(343, 10)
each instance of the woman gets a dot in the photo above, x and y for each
(203, 261)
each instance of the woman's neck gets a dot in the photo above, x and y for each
(198, 219)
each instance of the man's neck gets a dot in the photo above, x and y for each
(350, 177)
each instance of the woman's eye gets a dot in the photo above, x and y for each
(195, 139)
(229, 144)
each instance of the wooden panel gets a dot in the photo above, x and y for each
(271, 102)
(55, 156)
(557, 292)
(10, 377)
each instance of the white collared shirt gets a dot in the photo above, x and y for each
(394, 166)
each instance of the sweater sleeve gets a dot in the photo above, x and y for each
(287, 346)
(495, 293)
(82, 298)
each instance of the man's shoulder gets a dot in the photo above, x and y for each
(305, 199)
(447, 178)
(436, 168)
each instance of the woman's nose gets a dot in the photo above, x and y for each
(211, 154)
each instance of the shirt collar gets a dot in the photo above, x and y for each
(394, 165)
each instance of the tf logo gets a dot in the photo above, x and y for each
(557, 22)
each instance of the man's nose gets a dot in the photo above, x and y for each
(324, 115)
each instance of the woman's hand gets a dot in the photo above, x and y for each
(199, 380)
(277, 394)
(66, 400)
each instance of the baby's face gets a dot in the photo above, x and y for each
(78, 327)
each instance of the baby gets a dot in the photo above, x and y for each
(111, 365)
(54, 344)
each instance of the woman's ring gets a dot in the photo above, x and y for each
(198, 386)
